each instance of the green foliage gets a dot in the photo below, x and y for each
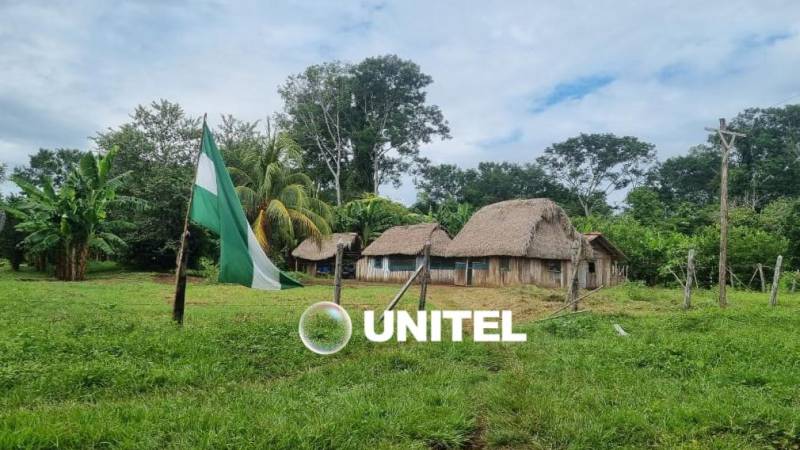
(589, 164)
(490, 182)
(691, 178)
(10, 237)
(277, 197)
(55, 165)
(209, 269)
(158, 146)
(68, 222)
(360, 125)
(452, 216)
(371, 215)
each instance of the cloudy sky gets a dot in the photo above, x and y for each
(511, 79)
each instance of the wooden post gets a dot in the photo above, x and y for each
(179, 302)
(760, 269)
(794, 281)
(337, 280)
(402, 291)
(726, 146)
(687, 288)
(574, 287)
(776, 278)
(723, 219)
(426, 275)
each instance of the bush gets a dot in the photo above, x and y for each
(209, 270)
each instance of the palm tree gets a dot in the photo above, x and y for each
(372, 215)
(276, 196)
(69, 222)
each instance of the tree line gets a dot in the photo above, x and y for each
(346, 129)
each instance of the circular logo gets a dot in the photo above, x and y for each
(325, 328)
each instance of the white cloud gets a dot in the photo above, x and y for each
(676, 67)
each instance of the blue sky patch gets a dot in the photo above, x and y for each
(572, 90)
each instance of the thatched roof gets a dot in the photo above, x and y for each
(409, 240)
(533, 228)
(598, 240)
(312, 251)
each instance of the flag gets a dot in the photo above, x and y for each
(216, 206)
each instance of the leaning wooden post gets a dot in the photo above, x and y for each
(426, 275)
(179, 303)
(761, 275)
(337, 280)
(687, 288)
(776, 278)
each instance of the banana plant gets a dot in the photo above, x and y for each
(67, 224)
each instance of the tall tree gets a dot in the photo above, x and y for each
(692, 178)
(592, 164)
(490, 182)
(318, 114)
(158, 145)
(393, 117)
(766, 164)
(55, 165)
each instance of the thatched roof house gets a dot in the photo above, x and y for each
(311, 250)
(601, 244)
(604, 268)
(410, 240)
(398, 252)
(533, 228)
(517, 242)
(319, 257)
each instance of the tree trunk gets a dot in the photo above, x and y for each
(82, 262)
(337, 181)
(375, 175)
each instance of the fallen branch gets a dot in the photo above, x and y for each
(683, 285)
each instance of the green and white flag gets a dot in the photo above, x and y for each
(216, 207)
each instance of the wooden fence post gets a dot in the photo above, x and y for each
(776, 278)
(426, 275)
(337, 278)
(574, 286)
(687, 288)
(761, 275)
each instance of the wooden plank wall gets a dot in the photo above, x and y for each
(366, 271)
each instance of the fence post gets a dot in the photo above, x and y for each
(761, 275)
(426, 275)
(574, 286)
(687, 288)
(794, 281)
(337, 280)
(776, 278)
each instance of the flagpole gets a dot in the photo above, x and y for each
(183, 254)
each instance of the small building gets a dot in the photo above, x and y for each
(605, 268)
(516, 242)
(397, 253)
(319, 258)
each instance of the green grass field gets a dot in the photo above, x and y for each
(99, 364)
